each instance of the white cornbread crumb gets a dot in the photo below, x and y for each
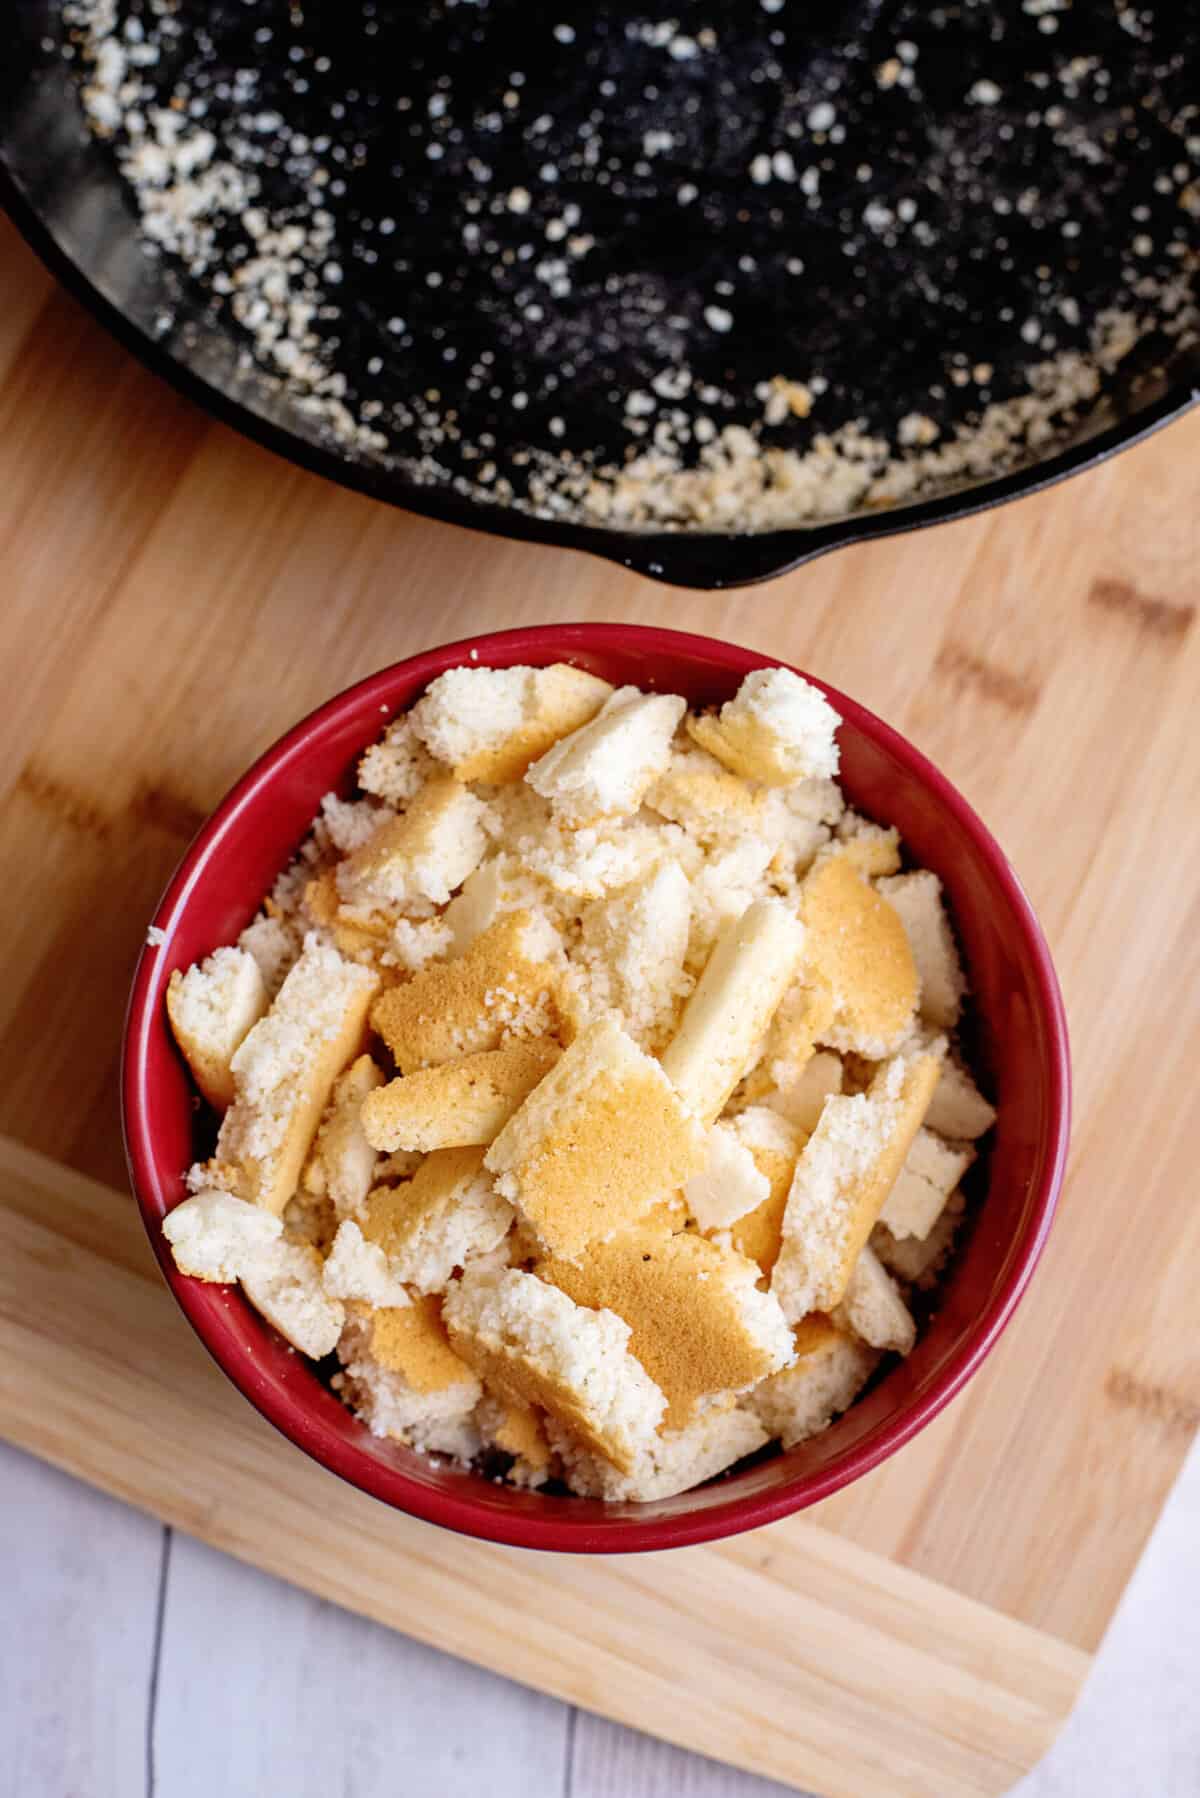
(605, 768)
(212, 1008)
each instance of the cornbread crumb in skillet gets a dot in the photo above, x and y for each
(212, 1008)
(598, 1116)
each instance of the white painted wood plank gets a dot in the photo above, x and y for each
(79, 1577)
(611, 1762)
(263, 1688)
(1137, 1727)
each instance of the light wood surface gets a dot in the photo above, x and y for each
(791, 1651)
(176, 597)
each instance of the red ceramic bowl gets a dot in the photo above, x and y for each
(1022, 1047)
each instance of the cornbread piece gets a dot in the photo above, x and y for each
(774, 1145)
(319, 899)
(730, 880)
(345, 825)
(958, 1109)
(420, 857)
(358, 1269)
(827, 1376)
(932, 1171)
(412, 942)
(873, 1308)
(404, 1380)
(632, 950)
(697, 792)
(502, 986)
(448, 1213)
(517, 1431)
(500, 884)
(919, 1260)
(672, 1462)
(700, 1325)
(275, 946)
(918, 901)
(597, 1143)
(489, 724)
(802, 1099)
(752, 966)
(728, 1185)
(459, 1103)
(790, 1044)
(858, 948)
(591, 861)
(341, 1163)
(606, 768)
(212, 1008)
(777, 729)
(284, 1070)
(534, 1346)
(871, 848)
(396, 768)
(843, 1176)
(284, 1285)
(214, 1235)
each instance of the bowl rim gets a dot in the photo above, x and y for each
(539, 644)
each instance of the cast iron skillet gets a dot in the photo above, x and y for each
(65, 196)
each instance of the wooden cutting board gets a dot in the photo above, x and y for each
(173, 598)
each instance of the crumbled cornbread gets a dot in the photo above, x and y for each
(579, 1083)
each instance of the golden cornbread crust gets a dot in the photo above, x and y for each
(459, 1102)
(497, 988)
(601, 1140)
(578, 1084)
(858, 950)
(679, 1297)
(412, 1340)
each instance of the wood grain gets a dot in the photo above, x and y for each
(176, 597)
(790, 1652)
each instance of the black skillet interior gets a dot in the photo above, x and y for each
(895, 317)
